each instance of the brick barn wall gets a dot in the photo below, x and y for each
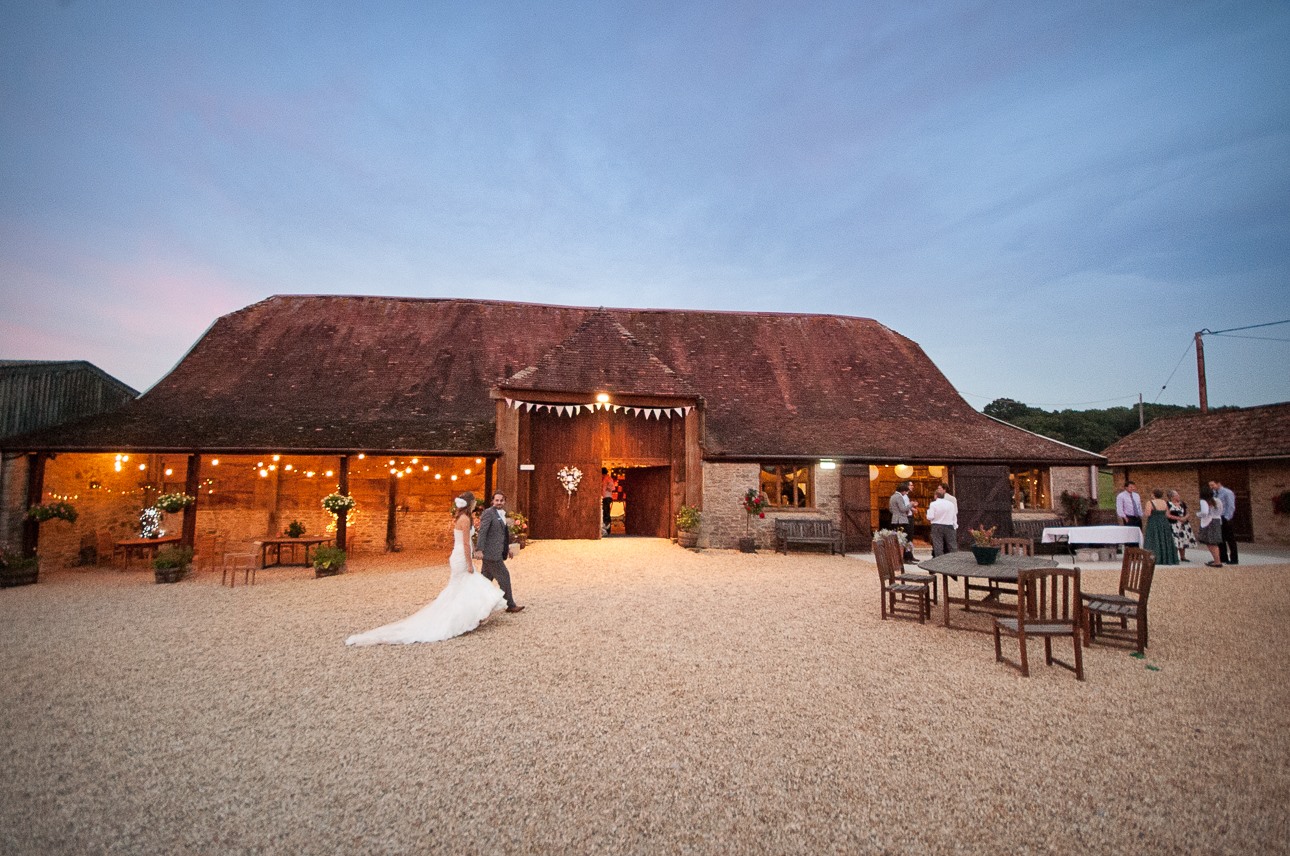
(1269, 480)
(1183, 479)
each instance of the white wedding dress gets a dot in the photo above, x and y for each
(466, 601)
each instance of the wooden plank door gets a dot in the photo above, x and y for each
(649, 501)
(1236, 478)
(985, 499)
(857, 526)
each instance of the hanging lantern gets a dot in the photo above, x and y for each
(936, 472)
(904, 471)
(873, 473)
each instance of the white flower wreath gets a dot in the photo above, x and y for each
(569, 478)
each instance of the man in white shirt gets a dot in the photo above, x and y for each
(1128, 506)
(1227, 498)
(943, 514)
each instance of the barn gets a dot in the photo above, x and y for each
(404, 402)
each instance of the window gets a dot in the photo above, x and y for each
(787, 485)
(1029, 487)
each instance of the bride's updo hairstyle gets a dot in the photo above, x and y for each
(463, 504)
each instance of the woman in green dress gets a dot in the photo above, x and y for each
(1160, 532)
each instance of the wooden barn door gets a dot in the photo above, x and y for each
(560, 441)
(857, 529)
(985, 499)
(649, 501)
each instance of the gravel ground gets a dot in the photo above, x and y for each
(649, 700)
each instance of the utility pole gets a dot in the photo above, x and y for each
(1200, 372)
(1141, 422)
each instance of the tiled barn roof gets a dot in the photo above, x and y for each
(377, 373)
(1251, 433)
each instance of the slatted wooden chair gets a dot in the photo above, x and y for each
(211, 546)
(899, 599)
(233, 563)
(104, 548)
(904, 576)
(1048, 606)
(1015, 546)
(1136, 571)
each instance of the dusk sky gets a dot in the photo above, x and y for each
(1050, 198)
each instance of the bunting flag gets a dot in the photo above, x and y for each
(572, 410)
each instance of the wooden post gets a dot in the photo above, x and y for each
(1200, 374)
(342, 487)
(35, 492)
(391, 523)
(487, 498)
(192, 488)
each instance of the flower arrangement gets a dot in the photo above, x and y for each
(688, 518)
(294, 529)
(982, 537)
(519, 526)
(54, 510)
(569, 478)
(893, 533)
(338, 503)
(1075, 505)
(754, 502)
(173, 502)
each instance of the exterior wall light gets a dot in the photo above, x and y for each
(828, 465)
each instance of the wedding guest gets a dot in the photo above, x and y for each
(1128, 505)
(1225, 497)
(1211, 525)
(943, 514)
(1184, 537)
(1159, 537)
(902, 515)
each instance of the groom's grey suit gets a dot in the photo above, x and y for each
(493, 540)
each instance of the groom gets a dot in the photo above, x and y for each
(492, 544)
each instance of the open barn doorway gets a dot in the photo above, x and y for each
(644, 496)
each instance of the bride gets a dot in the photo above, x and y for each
(467, 600)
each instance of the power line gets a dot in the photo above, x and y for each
(1208, 332)
(1257, 338)
(1172, 373)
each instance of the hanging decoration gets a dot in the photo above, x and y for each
(575, 409)
(569, 478)
(150, 523)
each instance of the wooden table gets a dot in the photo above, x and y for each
(146, 547)
(275, 546)
(963, 564)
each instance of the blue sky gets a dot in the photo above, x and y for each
(1050, 198)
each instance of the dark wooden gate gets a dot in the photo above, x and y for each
(985, 499)
(857, 529)
(1236, 478)
(649, 501)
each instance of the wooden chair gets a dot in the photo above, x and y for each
(210, 549)
(104, 548)
(1136, 571)
(1014, 546)
(887, 554)
(232, 563)
(1048, 606)
(904, 576)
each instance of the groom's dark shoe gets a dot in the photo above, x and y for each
(514, 609)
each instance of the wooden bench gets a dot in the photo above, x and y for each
(807, 531)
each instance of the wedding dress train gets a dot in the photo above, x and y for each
(466, 601)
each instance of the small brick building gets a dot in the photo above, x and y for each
(405, 402)
(1248, 450)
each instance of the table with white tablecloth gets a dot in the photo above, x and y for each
(1092, 535)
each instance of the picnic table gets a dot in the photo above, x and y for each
(963, 564)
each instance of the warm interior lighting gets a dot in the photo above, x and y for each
(287, 468)
(425, 468)
(398, 473)
(873, 473)
(361, 456)
(904, 471)
(276, 457)
(479, 460)
(264, 474)
(214, 462)
(468, 471)
(438, 476)
(416, 460)
(828, 465)
(125, 457)
(454, 477)
(143, 466)
(329, 474)
(936, 472)
(602, 397)
(169, 471)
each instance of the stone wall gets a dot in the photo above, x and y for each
(724, 520)
(1073, 479)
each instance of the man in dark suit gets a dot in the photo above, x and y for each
(492, 544)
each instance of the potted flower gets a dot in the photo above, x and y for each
(172, 503)
(687, 526)
(52, 511)
(170, 565)
(519, 529)
(1076, 507)
(328, 561)
(754, 503)
(338, 503)
(295, 529)
(17, 570)
(983, 546)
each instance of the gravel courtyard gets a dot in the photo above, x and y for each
(649, 700)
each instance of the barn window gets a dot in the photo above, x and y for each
(788, 485)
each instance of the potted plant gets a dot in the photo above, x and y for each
(687, 526)
(328, 561)
(52, 511)
(295, 529)
(754, 502)
(983, 547)
(170, 565)
(338, 503)
(17, 570)
(519, 529)
(172, 503)
(1075, 506)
